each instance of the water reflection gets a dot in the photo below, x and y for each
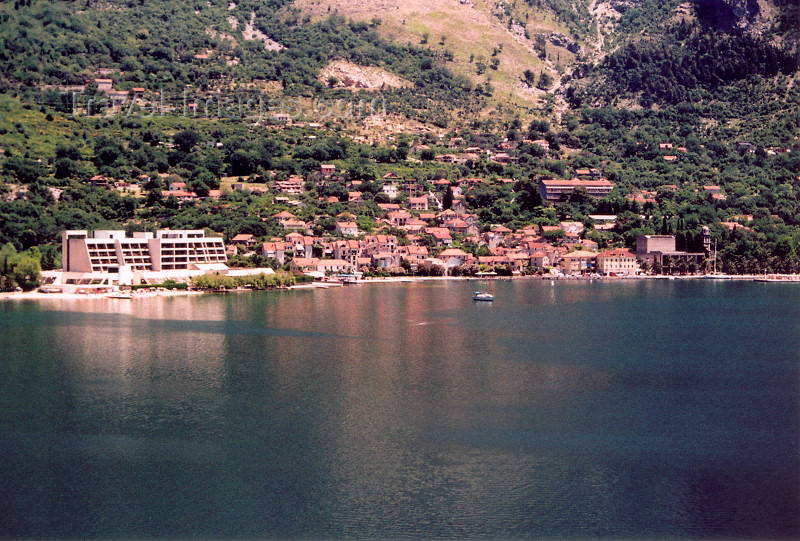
(568, 410)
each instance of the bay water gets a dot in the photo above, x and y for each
(565, 409)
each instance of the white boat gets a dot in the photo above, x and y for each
(119, 295)
(717, 276)
(482, 296)
(353, 278)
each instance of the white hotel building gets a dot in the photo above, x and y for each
(108, 258)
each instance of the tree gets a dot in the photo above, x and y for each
(66, 168)
(24, 170)
(447, 200)
(202, 182)
(528, 196)
(27, 273)
(361, 169)
(529, 77)
(185, 140)
(241, 162)
(68, 151)
(554, 235)
(21, 270)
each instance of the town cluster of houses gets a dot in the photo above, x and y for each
(512, 251)
(429, 230)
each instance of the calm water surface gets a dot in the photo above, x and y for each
(632, 409)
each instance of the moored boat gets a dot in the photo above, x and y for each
(482, 296)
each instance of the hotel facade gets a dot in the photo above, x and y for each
(166, 250)
(108, 258)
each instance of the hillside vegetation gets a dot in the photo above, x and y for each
(663, 101)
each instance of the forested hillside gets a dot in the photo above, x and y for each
(165, 46)
(661, 98)
(684, 63)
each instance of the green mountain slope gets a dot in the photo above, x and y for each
(664, 98)
(166, 46)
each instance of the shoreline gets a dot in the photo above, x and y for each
(39, 296)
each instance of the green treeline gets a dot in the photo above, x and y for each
(218, 282)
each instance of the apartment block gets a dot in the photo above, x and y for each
(108, 250)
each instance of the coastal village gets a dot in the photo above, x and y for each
(416, 235)
(421, 228)
(392, 225)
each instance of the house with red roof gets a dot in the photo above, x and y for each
(578, 262)
(418, 203)
(349, 250)
(555, 190)
(441, 235)
(399, 217)
(413, 254)
(304, 264)
(275, 250)
(385, 260)
(335, 266)
(445, 216)
(459, 206)
(283, 215)
(347, 228)
(540, 260)
(455, 257)
(415, 225)
(248, 240)
(294, 225)
(180, 195)
(104, 85)
(589, 244)
(379, 243)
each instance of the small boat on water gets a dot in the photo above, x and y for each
(482, 296)
(353, 278)
(119, 295)
(716, 276)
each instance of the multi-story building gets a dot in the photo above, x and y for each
(166, 250)
(646, 244)
(617, 261)
(554, 191)
(659, 251)
(578, 262)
